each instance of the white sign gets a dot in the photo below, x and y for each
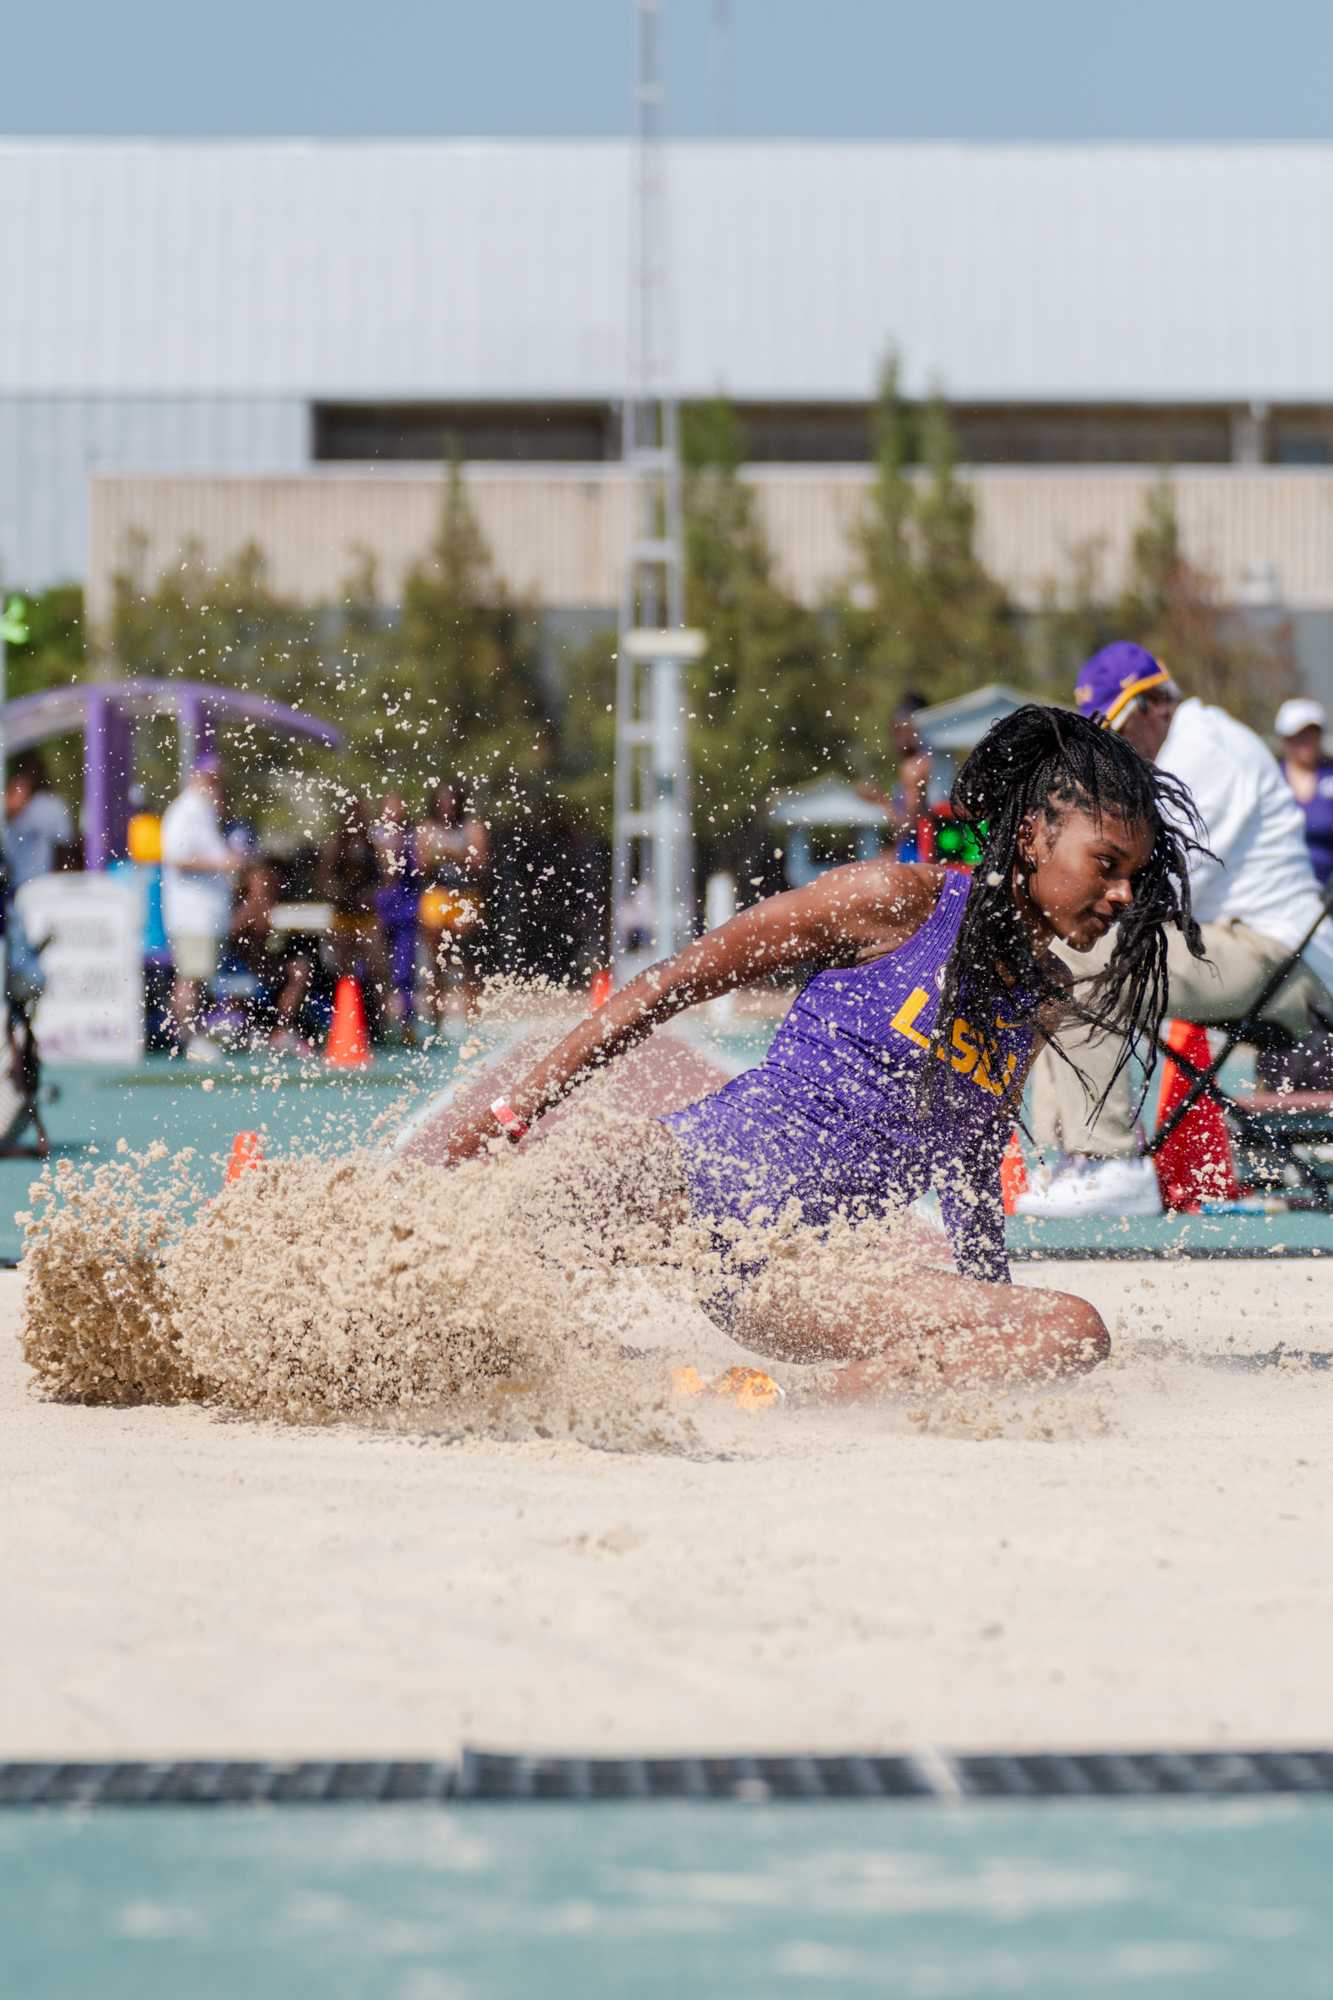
(678, 642)
(91, 927)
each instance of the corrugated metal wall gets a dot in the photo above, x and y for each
(494, 268)
(557, 535)
(51, 445)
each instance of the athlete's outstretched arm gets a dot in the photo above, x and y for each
(846, 915)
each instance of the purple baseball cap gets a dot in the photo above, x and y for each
(1110, 680)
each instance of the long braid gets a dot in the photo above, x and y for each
(1038, 762)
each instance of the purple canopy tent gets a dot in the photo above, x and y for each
(106, 712)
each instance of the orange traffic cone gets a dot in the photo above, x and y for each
(600, 990)
(1013, 1175)
(247, 1152)
(349, 1044)
(749, 1388)
(1195, 1164)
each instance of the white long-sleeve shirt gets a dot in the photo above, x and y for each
(1262, 874)
(195, 901)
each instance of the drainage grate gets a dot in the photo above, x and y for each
(1149, 1774)
(223, 1784)
(485, 1775)
(488, 1777)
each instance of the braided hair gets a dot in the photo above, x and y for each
(1040, 762)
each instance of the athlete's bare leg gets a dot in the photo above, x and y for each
(888, 1307)
(916, 1327)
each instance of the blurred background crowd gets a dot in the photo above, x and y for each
(243, 943)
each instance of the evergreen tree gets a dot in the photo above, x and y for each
(472, 653)
(1175, 608)
(921, 610)
(759, 696)
(588, 732)
(54, 652)
(52, 656)
(224, 625)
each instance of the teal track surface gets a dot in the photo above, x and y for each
(1222, 1235)
(295, 1106)
(1223, 1901)
(304, 1107)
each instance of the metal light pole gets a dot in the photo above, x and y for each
(652, 842)
(13, 632)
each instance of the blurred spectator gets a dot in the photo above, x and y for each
(37, 821)
(143, 865)
(397, 898)
(1253, 893)
(452, 850)
(1299, 727)
(38, 834)
(348, 879)
(277, 971)
(905, 806)
(198, 869)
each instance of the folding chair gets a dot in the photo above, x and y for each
(1274, 1129)
(21, 1088)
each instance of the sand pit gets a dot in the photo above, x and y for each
(1142, 1560)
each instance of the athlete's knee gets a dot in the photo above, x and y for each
(1085, 1337)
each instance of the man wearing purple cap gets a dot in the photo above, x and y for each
(198, 868)
(1254, 895)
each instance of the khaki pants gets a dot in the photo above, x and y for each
(1221, 987)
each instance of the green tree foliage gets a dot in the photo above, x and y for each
(759, 697)
(52, 656)
(588, 731)
(921, 611)
(1175, 608)
(451, 686)
(471, 653)
(224, 625)
(447, 690)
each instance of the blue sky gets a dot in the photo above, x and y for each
(977, 69)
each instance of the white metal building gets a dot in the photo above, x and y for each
(257, 307)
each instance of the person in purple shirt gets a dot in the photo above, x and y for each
(899, 1069)
(1299, 727)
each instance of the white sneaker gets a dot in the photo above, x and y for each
(1083, 1185)
(201, 1050)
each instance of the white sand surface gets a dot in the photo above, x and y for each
(1144, 1560)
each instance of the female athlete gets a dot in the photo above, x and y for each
(899, 1068)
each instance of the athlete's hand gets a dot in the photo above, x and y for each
(468, 1138)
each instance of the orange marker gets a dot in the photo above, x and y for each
(247, 1152)
(349, 1043)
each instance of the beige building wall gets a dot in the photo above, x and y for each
(557, 533)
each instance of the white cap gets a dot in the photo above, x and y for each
(1297, 714)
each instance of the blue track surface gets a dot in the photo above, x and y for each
(294, 1105)
(1228, 1902)
(306, 1107)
